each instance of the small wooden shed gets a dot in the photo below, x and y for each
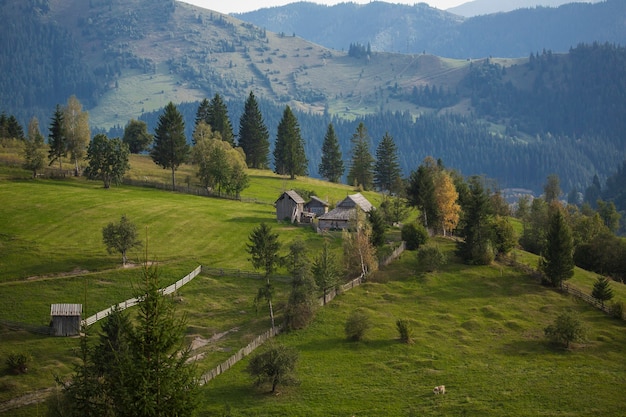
(342, 216)
(289, 206)
(316, 206)
(66, 319)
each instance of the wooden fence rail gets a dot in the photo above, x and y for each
(134, 301)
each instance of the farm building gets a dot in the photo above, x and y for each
(289, 206)
(345, 212)
(316, 206)
(66, 319)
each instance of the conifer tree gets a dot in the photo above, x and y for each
(331, 167)
(325, 270)
(557, 262)
(421, 192)
(57, 139)
(217, 118)
(289, 155)
(253, 135)
(602, 290)
(387, 168)
(477, 246)
(263, 249)
(361, 169)
(170, 144)
(202, 114)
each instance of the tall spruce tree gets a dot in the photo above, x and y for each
(420, 192)
(263, 249)
(57, 139)
(477, 246)
(361, 169)
(253, 135)
(217, 118)
(557, 261)
(331, 167)
(202, 114)
(170, 144)
(387, 172)
(289, 155)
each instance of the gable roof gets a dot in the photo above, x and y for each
(66, 309)
(318, 200)
(293, 195)
(354, 200)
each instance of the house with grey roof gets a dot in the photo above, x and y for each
(345, 213)
(289, 206)
(317, 206)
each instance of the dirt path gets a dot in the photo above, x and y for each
(40, 396)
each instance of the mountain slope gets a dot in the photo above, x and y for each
(418, 28)
(481, 7)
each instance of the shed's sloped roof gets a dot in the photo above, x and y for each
(293, 195)
(66, 309)
(339, 213)
(356, 200)
(317, 200)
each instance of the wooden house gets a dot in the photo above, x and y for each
(317, 206)
(345, 213)
(289, 206)
(66, 319)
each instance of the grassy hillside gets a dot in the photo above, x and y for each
(473, 326)
(477, 330)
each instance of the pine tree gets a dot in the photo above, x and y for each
(387, 168)
(602, 290)
(331, 167)
(361, 170)
(289, 156)
(253, 135)
(421, 192)
(217, 118)
(263, 249)
(202, 114)
(170, 144)
(56, 139)
(325, 270)
(477, 246)
(557, 262)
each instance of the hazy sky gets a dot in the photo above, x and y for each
(239, 6)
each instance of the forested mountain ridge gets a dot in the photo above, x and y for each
(515, 120)
(418, 28)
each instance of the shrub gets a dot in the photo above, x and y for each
(617, 309)
(431, 258)
(276, 365)
(18, 363)
(414, 235)
(566, 329)
(404, 328)
(357, 324)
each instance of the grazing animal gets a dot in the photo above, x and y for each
(440, 389)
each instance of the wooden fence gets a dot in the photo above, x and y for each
(394, 255)
(134, 301)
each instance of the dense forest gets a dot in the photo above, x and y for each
(567, 123)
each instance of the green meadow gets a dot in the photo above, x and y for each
(477, 330)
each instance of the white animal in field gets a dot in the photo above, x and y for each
(439, 389)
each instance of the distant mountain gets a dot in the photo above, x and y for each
(481, 7)
(415, 29)
(515, 120)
